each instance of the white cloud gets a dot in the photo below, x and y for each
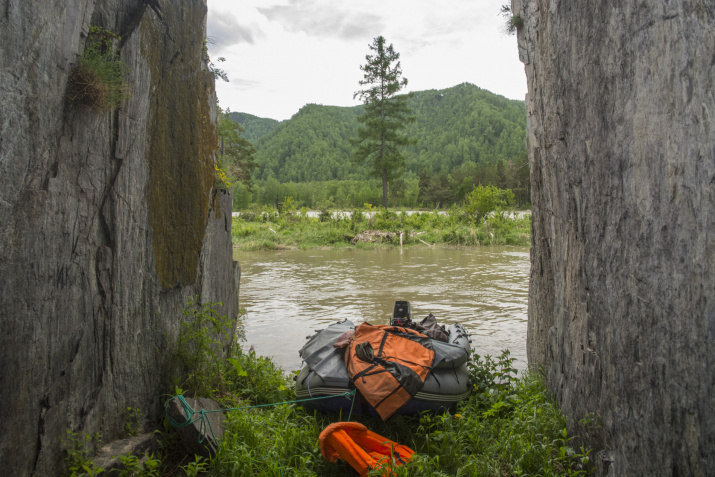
(284, 54)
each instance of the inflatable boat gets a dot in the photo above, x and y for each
(324, 374)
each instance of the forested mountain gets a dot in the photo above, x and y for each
(462, 137)
(464, 124)
(453, 126)
(313, 145)
(255, 127)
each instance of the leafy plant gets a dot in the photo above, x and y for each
(132, 420)
(200, 353)
(508, 426)
(192, 469)
(513, 21)
(221, 181)
(215, 71)
(486, 199)
(132, 466)
(97, 81)
(78, 449)
(235, 153)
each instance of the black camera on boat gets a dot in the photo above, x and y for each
(401, 314)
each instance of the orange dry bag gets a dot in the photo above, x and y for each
(361, 448)
(388, 365)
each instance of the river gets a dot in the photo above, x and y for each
(290, 294)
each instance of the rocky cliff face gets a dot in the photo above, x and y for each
(621, 138)
(108, 221)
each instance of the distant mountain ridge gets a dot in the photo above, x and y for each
(255, 127)
(459, 126)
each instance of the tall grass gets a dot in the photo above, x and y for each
(508, 426)
(266, 229)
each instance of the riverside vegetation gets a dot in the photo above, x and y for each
(508, 426)
(485, 218)
(461, 137)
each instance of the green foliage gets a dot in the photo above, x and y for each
(235, 153)
(461, 137)
(254, 126)
(78, 450)
(97, 81)
(256, 378)
(453, 126)
(200, 346)
(314, 145)
(381, 136)
(484, 200)
(132, 466)
(274, 441)
(265, 229)
(215, 71)
(206, 369)
(512, 21)
(132, 421)
(193, 469)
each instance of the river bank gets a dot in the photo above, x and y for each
(269, 229)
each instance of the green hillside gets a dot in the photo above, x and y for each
(463, 136)
(313, 145)
(255, 127)
(454, 126)
(464, 124)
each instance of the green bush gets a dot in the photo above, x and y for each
(200, 346)
(484, 200)
(97, 81)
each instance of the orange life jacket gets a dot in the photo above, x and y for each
(361, 448)
(388, 365)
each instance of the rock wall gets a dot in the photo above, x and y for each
(621, 140)
(108, 221)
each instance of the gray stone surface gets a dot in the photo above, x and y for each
(108, 221)
(202, 436)
(109, 456)
(621, 140)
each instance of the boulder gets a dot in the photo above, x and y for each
(202, 435)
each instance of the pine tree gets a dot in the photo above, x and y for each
(380, 135)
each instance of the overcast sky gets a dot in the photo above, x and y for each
(283, 54)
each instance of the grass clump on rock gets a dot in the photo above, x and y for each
(97, 81)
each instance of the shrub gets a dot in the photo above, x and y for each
(97, 81)
(200, 353)
(513, 21)
(483, 200)
(221, 180)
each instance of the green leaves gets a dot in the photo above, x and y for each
(236, 153)
(486, 199)
(97, 81)
(237, 367)
(199, 353)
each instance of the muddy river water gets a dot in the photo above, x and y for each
(290, 294)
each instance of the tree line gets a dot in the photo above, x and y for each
(432, 147)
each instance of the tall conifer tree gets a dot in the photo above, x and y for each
(380, 135)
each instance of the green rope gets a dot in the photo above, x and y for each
(190, 412)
